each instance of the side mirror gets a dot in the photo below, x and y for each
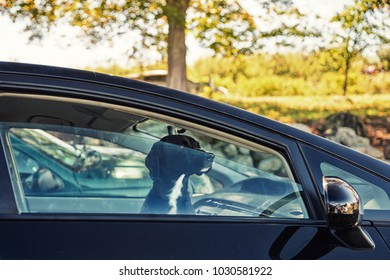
(344, 214)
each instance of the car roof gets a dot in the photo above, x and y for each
(34, 70)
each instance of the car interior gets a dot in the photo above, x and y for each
(72, 157)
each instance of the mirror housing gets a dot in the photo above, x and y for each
(344, 214)
(344, 209)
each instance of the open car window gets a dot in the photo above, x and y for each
(147, 167)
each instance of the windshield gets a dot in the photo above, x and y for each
(49, 144)
(82, 153)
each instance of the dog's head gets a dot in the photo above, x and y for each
(175, 155)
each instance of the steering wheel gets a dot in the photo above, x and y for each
(280, 203)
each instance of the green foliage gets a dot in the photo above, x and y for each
(311, 108)
(112, 70)
(363, 24)
(384, 57)
(259, 84)
(212, 21)
(293, 74)
(117, 70)
(380, 84)
(297, 87)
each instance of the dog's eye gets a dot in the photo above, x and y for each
(186, 144)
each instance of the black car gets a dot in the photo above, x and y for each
(100, 167)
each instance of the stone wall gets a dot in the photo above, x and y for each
(347, 136)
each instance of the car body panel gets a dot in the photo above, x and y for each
(39, 238)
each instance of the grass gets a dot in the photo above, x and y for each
(306, 109)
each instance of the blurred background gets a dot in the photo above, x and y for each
(322, 65)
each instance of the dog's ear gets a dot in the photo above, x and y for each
(152, 160)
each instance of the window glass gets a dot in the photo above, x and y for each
(372, 196)
(373, 191)
(150, 167)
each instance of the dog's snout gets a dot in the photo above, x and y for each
(207, 162)
(210, 156)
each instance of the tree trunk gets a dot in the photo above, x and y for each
(346, 73)
(348, 57)
(177, 66)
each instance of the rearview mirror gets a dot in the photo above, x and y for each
(344, 214)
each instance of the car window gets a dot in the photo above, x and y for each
(150, 167)
(372, 196)
(373, 191)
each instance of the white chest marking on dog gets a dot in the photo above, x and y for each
(175, 194)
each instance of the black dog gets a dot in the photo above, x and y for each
(170, 162)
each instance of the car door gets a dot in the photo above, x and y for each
(75, 179)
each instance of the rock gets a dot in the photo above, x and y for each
(230, 150)
(245, 160)
(375, 152)
(387, 152)
(332, 123)
(347, 136)
(271, 165)
(243, 151)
